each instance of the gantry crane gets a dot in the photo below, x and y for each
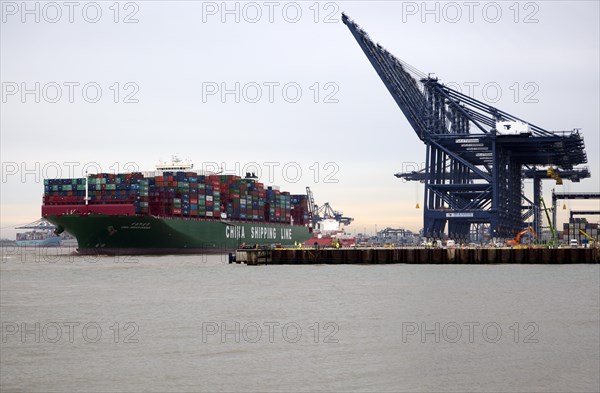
(474, 153)
(325, 211)
(40, 225)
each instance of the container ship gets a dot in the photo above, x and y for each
(39, 234)
(173, 210)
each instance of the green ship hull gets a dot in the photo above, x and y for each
(135, 235)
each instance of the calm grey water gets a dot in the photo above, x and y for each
(194, 323)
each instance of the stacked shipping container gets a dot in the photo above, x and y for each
(64, 191)
(187, 194)
(183, 194)
(105, 188)
(571, 230)
(301, 214)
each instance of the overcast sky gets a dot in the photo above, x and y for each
(300, 93)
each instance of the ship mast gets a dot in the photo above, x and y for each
(86, 187)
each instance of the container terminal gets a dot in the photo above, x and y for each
(476, 159)
(476, 156)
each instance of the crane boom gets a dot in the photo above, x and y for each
(524, 231)
(312, 208)
(396, 76)
(517, 239)
(588, 236)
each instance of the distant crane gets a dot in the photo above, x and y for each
(312, 208)
(40, 224)
(325, 212)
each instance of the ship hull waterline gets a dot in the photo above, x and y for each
(147, 235)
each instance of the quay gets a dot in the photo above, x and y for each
(475, 256)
